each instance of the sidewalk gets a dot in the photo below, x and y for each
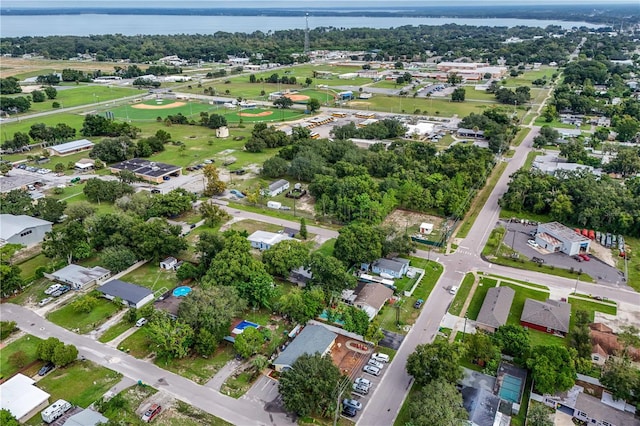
(115, 342)
(221, 376)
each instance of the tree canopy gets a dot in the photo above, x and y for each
(437, 403)
(435, 361)
(552, 368)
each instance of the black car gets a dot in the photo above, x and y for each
(64, 289)
(349, 411)
(45, 369)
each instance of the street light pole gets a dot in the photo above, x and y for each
(575, 289)
(464, 331)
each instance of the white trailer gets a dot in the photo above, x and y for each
(55, 410)
(274, 204)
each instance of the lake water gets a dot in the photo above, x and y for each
(90, 24)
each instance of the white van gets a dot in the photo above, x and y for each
(141, 322)
(380, 357)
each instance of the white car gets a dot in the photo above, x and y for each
(375, 363)
(52, 289)
(533, 243)
(45, 301)
(141, 322)
(380, 357)
(453, 290)
(361, 381)
(375, 371)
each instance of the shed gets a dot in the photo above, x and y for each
(79, 277)
(312, 339)
(168, 263)
(22, 398)
(426, 228)
(222, 132)
(132, 295)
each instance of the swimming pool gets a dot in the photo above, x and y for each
(182, 291)
(510, 388)
(238, 329)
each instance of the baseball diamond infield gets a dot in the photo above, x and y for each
(160, 106)
(296, 97)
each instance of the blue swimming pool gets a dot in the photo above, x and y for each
(182, 291)
(510, 388)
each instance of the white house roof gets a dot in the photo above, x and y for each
(11, 225)
(278, 184)
(80, 275)
(20, 396)
(86, 417)
(265, 237)
(72, 146)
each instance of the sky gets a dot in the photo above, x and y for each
(297, 3)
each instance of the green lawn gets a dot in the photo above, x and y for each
(522, 133)
(531, 157)
(32, 293)
(26, 344)
(327, 247)
(83, 95)
(253, 225)
(114, 331)
(404, 417)
(478, 297)
(151, 276)
(68, 318)
(578, 303)
(28, 267)
(197, 368)
(81, 383)
(526, 283)
(633, 263)
(138, 344)
(408, 314)
(236, 386)
(461, 295)
(9, 129)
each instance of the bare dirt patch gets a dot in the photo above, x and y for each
(359, 103)
(167, 106)
(603, 254)
(401, 219)
(297, 98)
(259, 114)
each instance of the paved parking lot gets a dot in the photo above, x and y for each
(518, 234)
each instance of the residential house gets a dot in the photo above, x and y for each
(132, 295)
(168, 263)
(598, 355)
(371, 297)
(551, 316)
(394, 268)
(495, 308)
(263, 240)
(22, 398)
(79, 277)
(608, 344)
(22, 229)
(312, 339)
(275, 188)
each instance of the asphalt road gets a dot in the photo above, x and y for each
(236, 411)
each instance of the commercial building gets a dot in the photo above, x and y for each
(70, 147)
(150, 171)
(79, 277)
(556, 237)
(21, 398)
(132, 295)
(312, 339)
(22, 229)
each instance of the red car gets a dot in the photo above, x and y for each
(151, 413)
(585, 257)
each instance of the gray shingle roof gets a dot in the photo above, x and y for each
(389, 264)
(550, 314)
(124, 290)
(496, 306)
(312, 339)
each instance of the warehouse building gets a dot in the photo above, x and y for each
(556, 237)
(150, 171)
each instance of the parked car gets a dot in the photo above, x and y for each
(585, 257)
(151, 413)
(577, 258)
(453, 290)
(141, 322)
(53, 288)
(380, 357)
(45, 301)
(45, 369)
(418, 304)
(375, 371)
(349, 412)
(64, 289)
(166, 178)
(361, 381)
(352, 403)
(375, 363)
(363, 390)
(537, 260)
(533, 243)
(56, 293)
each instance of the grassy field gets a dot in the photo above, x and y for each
(327, 247)
(9, 129)
(252, 226)
(408, 314)
(151, 276)
(478, 297)
(26, 344)
(522, 133)
(81, 383)
(528, 76)
(578, 303)
(28, 267)
(68, 318)
(480, 200)
(461, 295)
(73, 96)
(197, 368)
(633, 263)
(114, 331)
(138, 344)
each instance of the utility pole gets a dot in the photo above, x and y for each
(341, 387)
